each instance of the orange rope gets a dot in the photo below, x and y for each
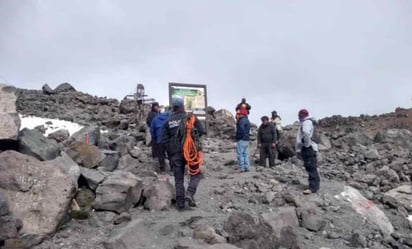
(192, 156)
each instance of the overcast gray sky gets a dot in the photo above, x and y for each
(345, 57)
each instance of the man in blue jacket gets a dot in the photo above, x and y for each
(156, 128)
(242, 139)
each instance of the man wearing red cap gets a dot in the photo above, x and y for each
(308, 149)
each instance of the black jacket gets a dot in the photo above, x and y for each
(150, 117)
(170, 136)
(243, 129)
(267, 134)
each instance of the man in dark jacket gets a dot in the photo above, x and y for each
(174, 142)
(243, 104)
(242, 139)
(156, 128)
(267, 138)
(150, 116)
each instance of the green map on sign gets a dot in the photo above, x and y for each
(184, 92)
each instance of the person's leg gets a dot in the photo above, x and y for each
(245, 152)
(178, 165)
(310, 163)
(271, 156)
(239, 153)
(262, 159)
(160, 153)
(192, 187)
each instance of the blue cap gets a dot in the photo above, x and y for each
(177, 101)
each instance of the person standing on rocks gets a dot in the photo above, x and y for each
(150, 116)
(308, 149)
(243, 104)
(267, 138)
(173, 139)
(156, 128)
(242, 139)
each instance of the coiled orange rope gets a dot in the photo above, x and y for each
(192, 156)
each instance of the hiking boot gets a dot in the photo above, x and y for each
(191, 201)
(246, 170)
(307, 192)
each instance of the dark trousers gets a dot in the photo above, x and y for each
(266, 151)
(310, 161)
(159, 151)
(178, 164)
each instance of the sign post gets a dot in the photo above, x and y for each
(194, 97)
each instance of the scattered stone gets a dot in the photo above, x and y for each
(64, 87)
(123, 217)
(85, 155)
(68, 166)
(311, 220)
(400, 196)
(208, 234)
(59, 135)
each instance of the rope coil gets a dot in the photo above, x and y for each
(192, 155)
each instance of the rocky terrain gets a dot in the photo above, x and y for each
(100, 188)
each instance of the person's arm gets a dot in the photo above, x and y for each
(259, 139)
(199, 127)
(274, 134)
(165, 132)
(153, 128)
(307, 130)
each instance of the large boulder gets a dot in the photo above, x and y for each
(90, 135)
(9, 119)
(222, 124)
(59, 135)
(119, 192)
(9, 226)
(39, 194)
(208, 234)
(85, 155)
(64, 87)
(33, 143)
(67, 166)
(159, 195)
(92, 177)
(284, 223)
(247, 233)
(286, 145)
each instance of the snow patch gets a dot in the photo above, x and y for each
(51, 125)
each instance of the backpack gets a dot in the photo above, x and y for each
(315, 135)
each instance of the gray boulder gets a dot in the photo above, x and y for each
(311, 220)
(90, 135)
(286, 145)
(127, 106)
(64, 87)
(85, 155)
(92, 177)
(33, 143)
(4, 205)
(67, 166)
(399, 197)
(400, 137)
(47, 89)
(208, 234)
(9, 119)
(110, 161)
(136, 234)
(284, 223)
(159, 195)
(244, 232)
(39, 194)
(119, 192)
(59, 135)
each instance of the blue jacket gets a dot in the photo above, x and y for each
(157, 125)
(243, 129)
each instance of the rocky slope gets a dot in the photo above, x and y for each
(121, 201)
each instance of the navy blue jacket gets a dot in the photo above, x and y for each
(157, 125)
(170, 132)
(243, 129)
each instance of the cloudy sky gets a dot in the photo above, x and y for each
(345, 57)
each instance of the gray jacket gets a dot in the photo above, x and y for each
(304, 135)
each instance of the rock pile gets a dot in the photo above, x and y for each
(96, 189)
